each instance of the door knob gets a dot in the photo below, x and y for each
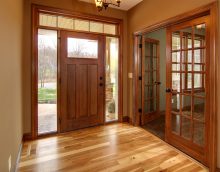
(158, 83)
(168, 90)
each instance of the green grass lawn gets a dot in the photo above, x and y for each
(46, 95)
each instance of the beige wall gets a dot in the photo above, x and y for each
(149, 12)
(72, 5)
(11, 81)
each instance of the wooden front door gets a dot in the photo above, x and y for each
(188, 78)
(150, 80)
(82, 80)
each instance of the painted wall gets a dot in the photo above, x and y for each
(72, 5)
(11, 16)
(160, 35)
(149, 12)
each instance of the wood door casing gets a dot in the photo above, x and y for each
(186, 127)
(82, 85)
(150, 80)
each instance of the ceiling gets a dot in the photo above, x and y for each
(125, 4)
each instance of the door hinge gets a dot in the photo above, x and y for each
(140, 110)
(140, 45)
(140, 78)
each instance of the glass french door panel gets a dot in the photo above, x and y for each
(186, 128)
(112, 79)
(199, 56)
(150, 105)
(175, 123)
(199, 133)
(187, 38)
(47, 81)
(186, 106)
(199, 80)
(176, 41)
(176, 82)
(199, 109)
(200, 32)
(175, 105)
(176, 57)
(150, 92)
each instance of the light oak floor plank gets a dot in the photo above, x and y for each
(110, 148)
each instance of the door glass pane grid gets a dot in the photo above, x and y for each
(190, 70)
(76, 24)
(150, 77)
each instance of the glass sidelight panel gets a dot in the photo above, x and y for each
(47, 81)
(111, 79)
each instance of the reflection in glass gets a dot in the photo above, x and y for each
(187, 38)
(176, 57)
(111, 78)
(176, 103)
(176, 81)
(198, 80)
(186, 128)
(199, 133)
(186, 105)
(200, 31)
(176, 41)
(47, 81)
(175, 124)
(82, 48)
(199, 109)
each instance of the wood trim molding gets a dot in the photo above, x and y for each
(198, 12)
(27, 137)
(211, 10)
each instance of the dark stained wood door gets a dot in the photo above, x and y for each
(188, 100)
(82, 80)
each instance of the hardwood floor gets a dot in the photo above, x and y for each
(115, 147)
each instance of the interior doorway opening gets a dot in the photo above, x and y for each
(153, 70)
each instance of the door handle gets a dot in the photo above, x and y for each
(168, 90)
(158, 83)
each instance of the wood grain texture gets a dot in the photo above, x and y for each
(115, 147)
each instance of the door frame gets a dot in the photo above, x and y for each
(210, 10)
(36, 10)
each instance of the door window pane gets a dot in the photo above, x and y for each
(82, 48)
(48, 20)
(110, 29)
(175, 123)
(82, 25)
(96, 27)
(47, 81)
(66, 23)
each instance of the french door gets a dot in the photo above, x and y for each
(188, 78)
(150, 80)
(82, 80)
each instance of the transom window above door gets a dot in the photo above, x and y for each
(76, 24)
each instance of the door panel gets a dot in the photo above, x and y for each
(82, 92)
(187, 100)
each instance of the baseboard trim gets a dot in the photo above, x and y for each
(18, 159)
(126, 119)
(27, 136)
